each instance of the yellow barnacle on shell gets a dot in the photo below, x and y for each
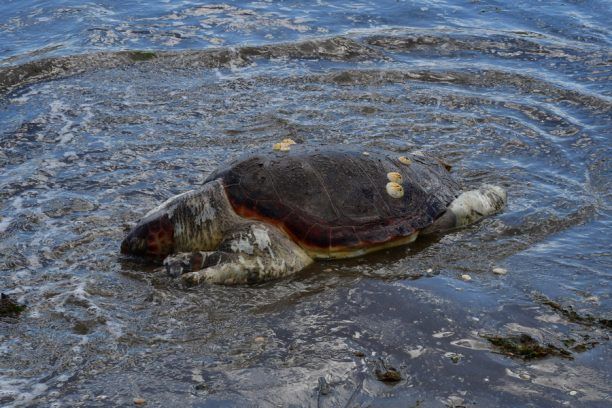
(288, 142)
(395, 190)
(394, 176)
(405, 160)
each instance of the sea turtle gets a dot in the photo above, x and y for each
(271, 212)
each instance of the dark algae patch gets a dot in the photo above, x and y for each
(525, 347)
(570, 314)
(141, 55)
(9, 308)
(580, 347)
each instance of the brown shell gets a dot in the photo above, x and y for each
(333, 198)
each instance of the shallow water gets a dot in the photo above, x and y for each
(95, 133)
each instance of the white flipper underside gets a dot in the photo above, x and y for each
(473, 205)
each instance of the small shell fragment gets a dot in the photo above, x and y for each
(395, 190)
(405, 160)
(394, 176)
(282, 147)
(366, 153)
(288, 141)
(466, 277)
(500, 271)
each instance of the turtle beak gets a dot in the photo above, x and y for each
(153, 237)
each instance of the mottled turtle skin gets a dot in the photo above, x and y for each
(333, 201)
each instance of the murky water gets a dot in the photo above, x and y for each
(92, 136)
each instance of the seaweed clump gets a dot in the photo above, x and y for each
(570, 314)
(141, 55)
(525, 347)
(9, 308)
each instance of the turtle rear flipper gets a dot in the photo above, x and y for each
(469, 208)
(254, 252)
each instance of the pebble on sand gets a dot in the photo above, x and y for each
(139, 401)
(500, 271)
(390, 375)
(466, 277)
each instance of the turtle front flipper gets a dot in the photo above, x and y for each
(254, 252)
(185, 262)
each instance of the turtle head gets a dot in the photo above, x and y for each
(190, 221)
(153, 237)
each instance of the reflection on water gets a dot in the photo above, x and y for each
(91, 141)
